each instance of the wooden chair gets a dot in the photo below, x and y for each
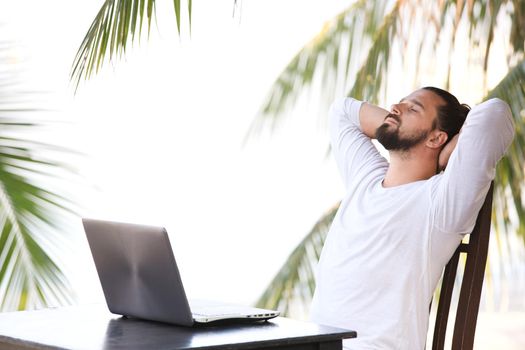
(470, 294)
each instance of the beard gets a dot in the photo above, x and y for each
(388, 136)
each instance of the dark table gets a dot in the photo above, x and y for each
(94, 327)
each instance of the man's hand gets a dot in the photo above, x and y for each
(371, 117)
(445, 153)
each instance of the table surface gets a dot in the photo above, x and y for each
(94, 327)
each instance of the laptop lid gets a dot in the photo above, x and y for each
(138, 272)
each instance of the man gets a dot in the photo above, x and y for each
(400, 222)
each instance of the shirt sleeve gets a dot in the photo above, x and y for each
(352, 149)
(487, 133)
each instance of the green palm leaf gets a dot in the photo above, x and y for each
(333, 54)
(292, 288)
(332, 57)
(112, 27)
(293, 285)
(30, 214)
(510, 171)
(356, 46)
(369, 78)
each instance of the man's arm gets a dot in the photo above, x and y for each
(484, 138)
(445, 153)
(371, 117)
(352, 124)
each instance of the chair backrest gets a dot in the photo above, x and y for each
(470, 294)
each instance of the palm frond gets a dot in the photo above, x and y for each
(292, 288)
(332, 54)
(510, 178)
(30, 213)
(369, 78)
(112, 27)
(517, 33)
(29, 277)
(356, 46)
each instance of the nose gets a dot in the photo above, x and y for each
(396, 108)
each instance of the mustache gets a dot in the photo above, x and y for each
(393, 116)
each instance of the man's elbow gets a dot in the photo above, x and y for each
(500, 117)
(501, 110)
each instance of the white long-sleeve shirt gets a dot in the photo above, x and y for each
(387, 247)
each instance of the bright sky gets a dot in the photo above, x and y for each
(163, 130)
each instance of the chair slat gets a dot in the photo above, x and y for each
(445, 297)
(470, 294)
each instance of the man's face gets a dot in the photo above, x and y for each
(410, 121)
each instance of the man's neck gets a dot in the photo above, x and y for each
(407, 167)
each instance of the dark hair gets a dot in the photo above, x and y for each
(451, 115)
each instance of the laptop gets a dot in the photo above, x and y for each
(140, 278)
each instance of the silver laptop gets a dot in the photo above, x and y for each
(140, 278)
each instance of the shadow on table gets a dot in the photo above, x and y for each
(132, 333)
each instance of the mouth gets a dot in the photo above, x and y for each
(391, 119)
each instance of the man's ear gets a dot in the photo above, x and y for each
(436, 139)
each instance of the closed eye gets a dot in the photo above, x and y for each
(413, 102)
